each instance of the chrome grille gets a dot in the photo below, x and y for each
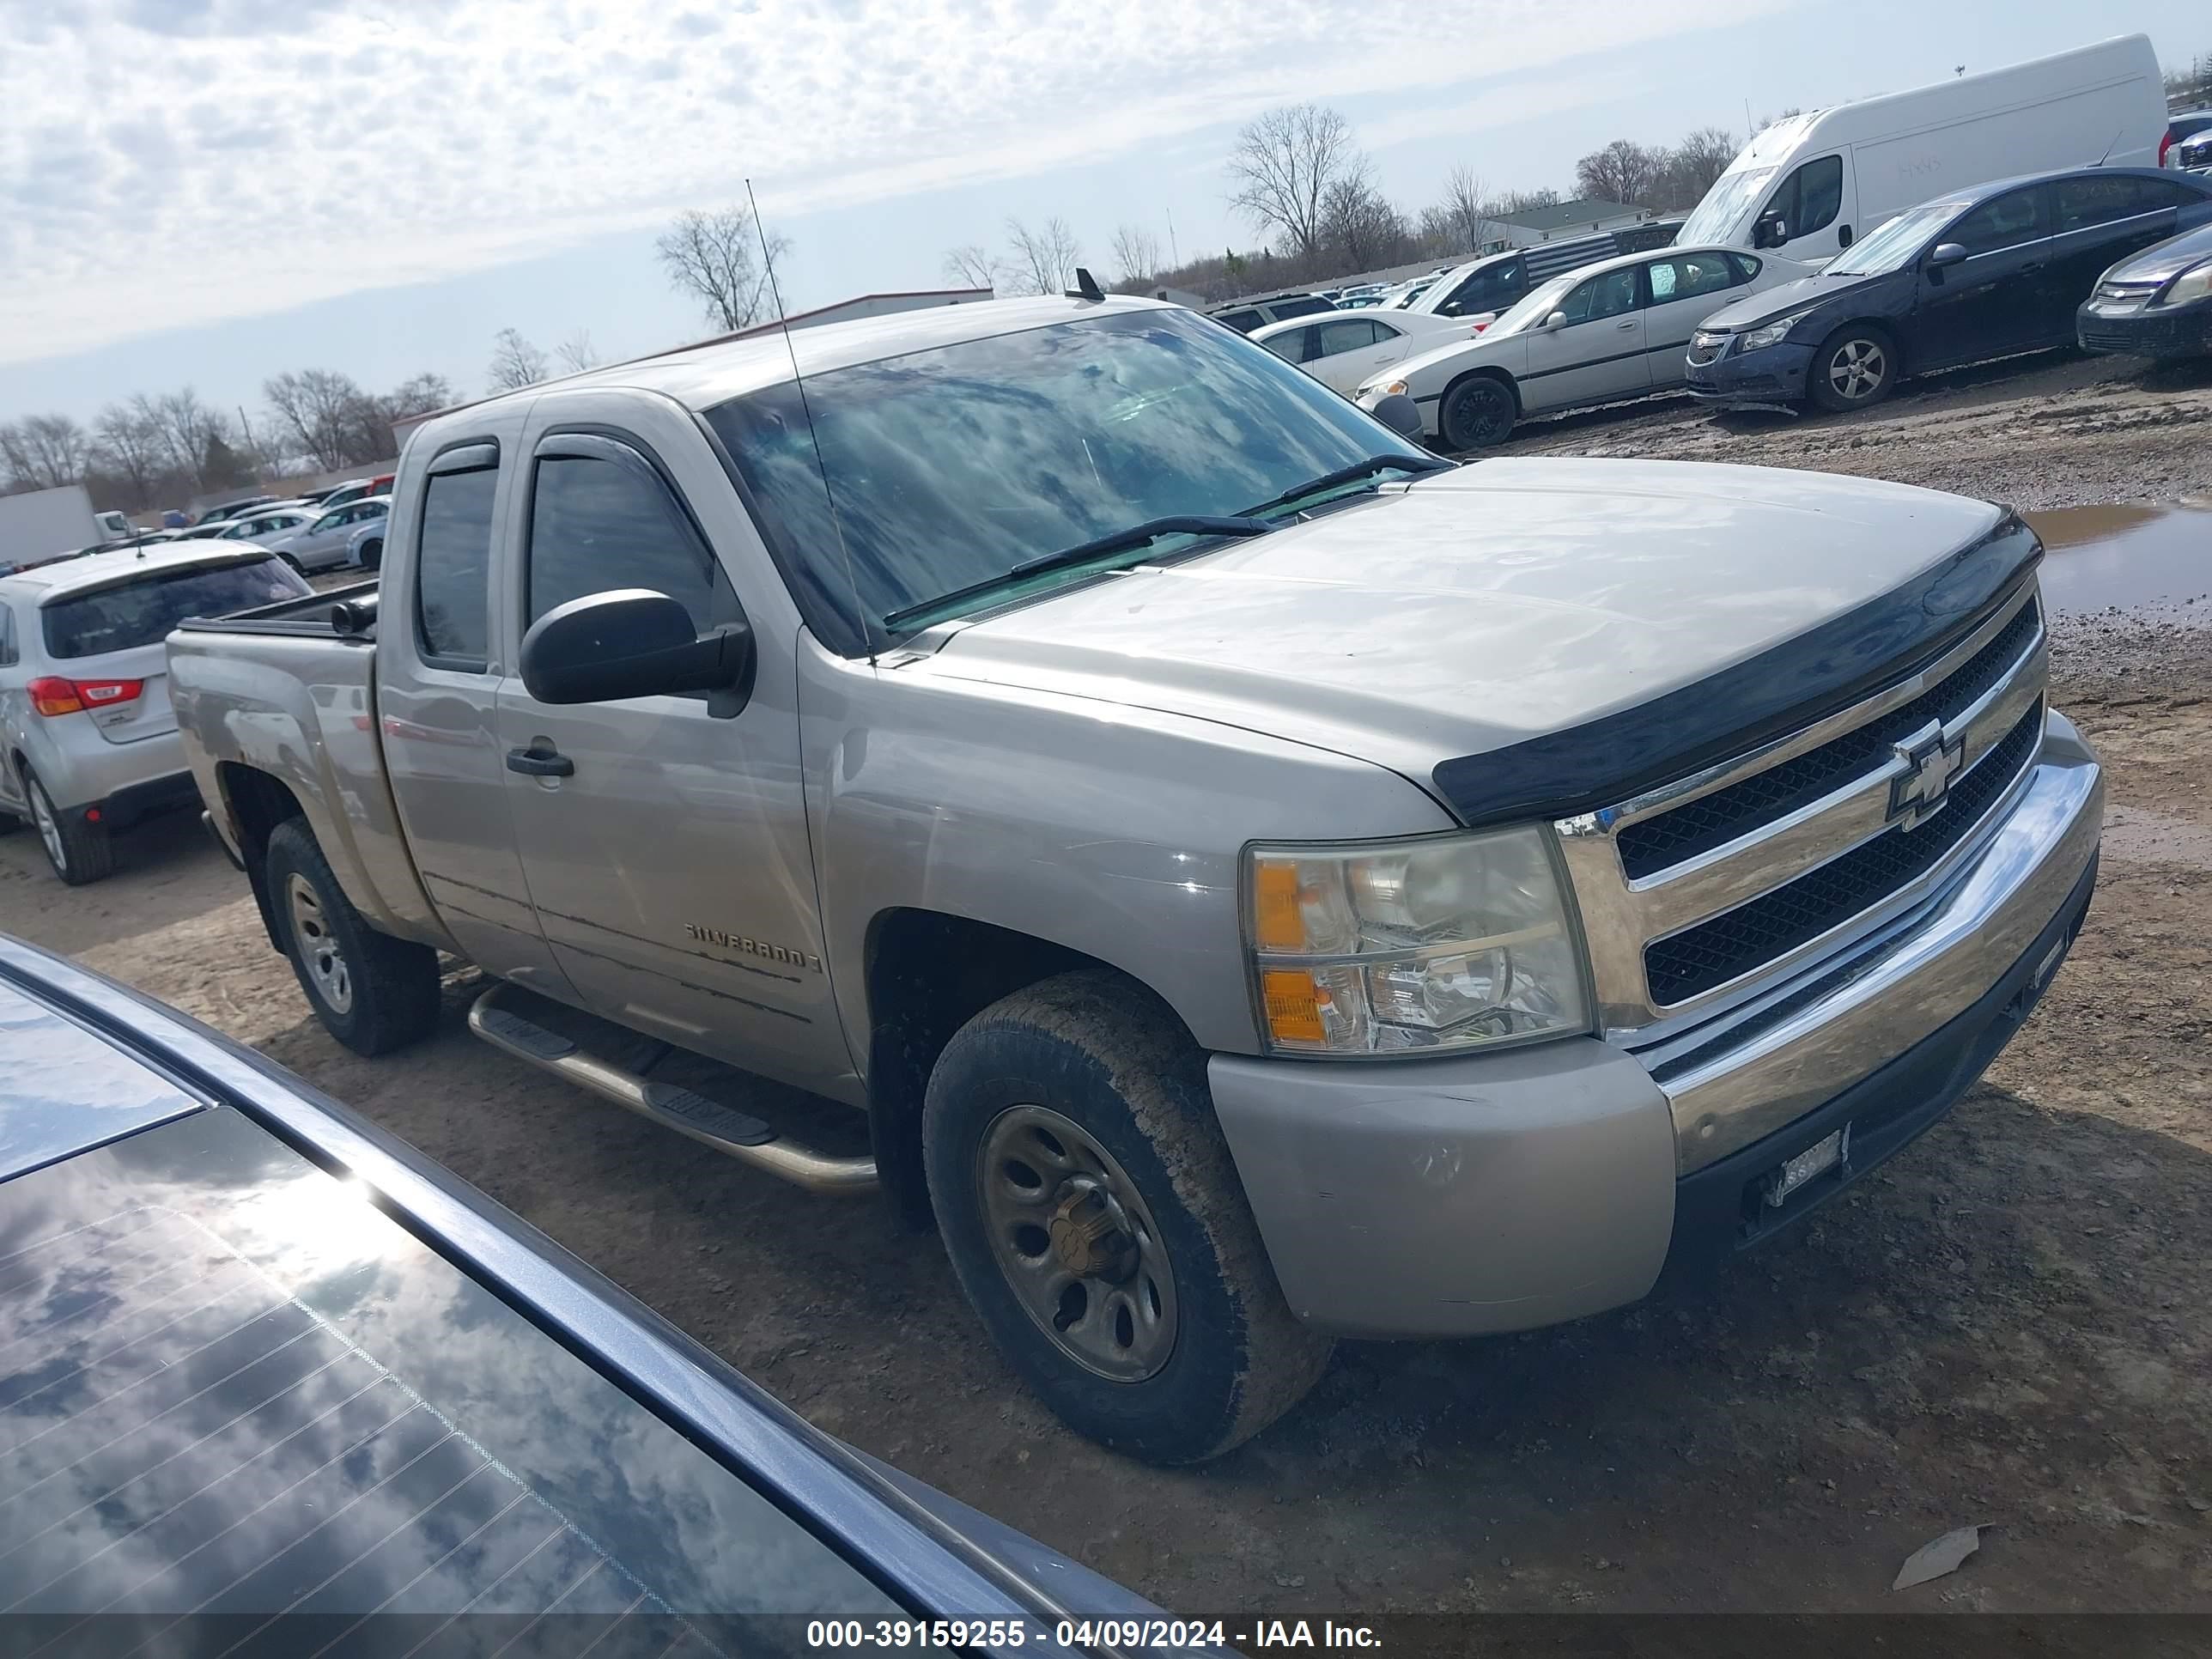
(1719, 886)
(1706, 347)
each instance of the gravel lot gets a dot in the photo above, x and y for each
(2008, 1325)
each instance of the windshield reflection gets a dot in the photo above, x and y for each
(229, 1387)
(1894, 243)
(1721, 216)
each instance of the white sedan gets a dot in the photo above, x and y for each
(1343, 352)
(1596, 335)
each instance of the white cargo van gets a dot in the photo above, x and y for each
(1811, 183)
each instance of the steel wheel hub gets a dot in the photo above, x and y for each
(1077, 1243)
(318, 946)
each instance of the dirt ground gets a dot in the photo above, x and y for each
(2010, 1324)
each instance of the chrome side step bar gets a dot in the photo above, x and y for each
(684, 1110)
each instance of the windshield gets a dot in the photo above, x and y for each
(948, 467)
(1722, 216)
(1894, 243)
(1532, 307)
(145, 611)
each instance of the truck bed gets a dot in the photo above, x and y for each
(343, 613)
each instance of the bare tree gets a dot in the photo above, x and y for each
(418, 394)
(1360, 228)
(321, 410)
(972, 265)
(1465, 207)
(576, 352)
(514, 361)
(1688, 171)
(1283, 165)
(45, 451)
(128, 439)
(189, 430)
(1042, 261)
(1136, 255)
(1523, 201)
(1622, 171)
(715, 258)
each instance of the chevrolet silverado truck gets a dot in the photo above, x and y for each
(1248, 881)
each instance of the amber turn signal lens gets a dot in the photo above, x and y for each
(1294, 1004)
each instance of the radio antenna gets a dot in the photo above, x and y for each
(821, 467)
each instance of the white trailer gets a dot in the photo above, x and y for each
(40, 525)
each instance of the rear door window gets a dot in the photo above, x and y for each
(1354, 334)
(144, 610)
(2083, 203)
(1686, 276)
(1292, 345)
(453, 569)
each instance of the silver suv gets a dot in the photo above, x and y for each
(87, 737)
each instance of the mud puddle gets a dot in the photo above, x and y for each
(2129, 557)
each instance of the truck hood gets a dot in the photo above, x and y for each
(1479, 608)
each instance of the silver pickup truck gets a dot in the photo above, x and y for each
(1250, 881)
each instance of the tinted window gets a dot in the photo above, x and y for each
(1809, 197)
(950, 466)
(6, 636)
(453, 566)
(1304, 307)
(1242, 321)
(2016, 216)
(1492, 288)
(144, 610)
(1747, 266)
(1351, 335)
(1685, 276)
(1600, 297)
(2081, 202)
(1292, 345)
(2151, 194)
(597, 524)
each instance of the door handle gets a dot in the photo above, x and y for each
(540, 763)
(1625, 322)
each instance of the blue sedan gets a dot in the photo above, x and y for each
(2159, 304)
(1983, 273)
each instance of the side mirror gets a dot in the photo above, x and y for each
(1946, 253)
(1400, 414)
(1772, 230)
(1557, 320)
(630, 642)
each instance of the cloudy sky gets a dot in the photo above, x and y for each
(212, 191)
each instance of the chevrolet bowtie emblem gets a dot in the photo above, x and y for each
(1932, 760)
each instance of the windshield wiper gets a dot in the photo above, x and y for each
(1136, 535)
(1345, 475)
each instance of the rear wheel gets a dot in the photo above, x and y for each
(1093, 1215)
(1855, 368)
(80, 851)
(372, 555)
(1477, 413)
(372, 992)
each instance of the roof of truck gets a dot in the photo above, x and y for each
(702, 376)
(50, 581)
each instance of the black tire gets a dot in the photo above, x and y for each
(390, 985)
(9, 823)
(297, 569)
(80, 853)
(1855, 368)
(1104, 1054)
(372, 555)
(1476, 414)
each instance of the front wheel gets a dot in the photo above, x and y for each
(80, 851)
(1477, 413)
(372, 555)
(1094, 1217)
(1855, 368)
(372, 992)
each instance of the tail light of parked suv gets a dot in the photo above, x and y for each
(51, 695)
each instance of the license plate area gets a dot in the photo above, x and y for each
(1832, 1152)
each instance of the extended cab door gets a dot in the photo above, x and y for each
(669, 860)
(436, 685)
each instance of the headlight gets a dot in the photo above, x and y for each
(1773, 334)
(2195, 284)
(1379, 390)
(1443, 943)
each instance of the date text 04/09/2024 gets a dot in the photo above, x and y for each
(1109, 1633)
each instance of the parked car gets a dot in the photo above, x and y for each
(2156, 304)
(2193, 154)
(365, 545)
(1247, 315)
(87, 733)
(266, 1358)
(230, 509)
(354, 490)
(1496, 282)
(1808, 184)
(324, 540)
(1250, 891)
(266, 525)
(1614, 329)
(1980, 273)
(2180, 130)
(1343, 352)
